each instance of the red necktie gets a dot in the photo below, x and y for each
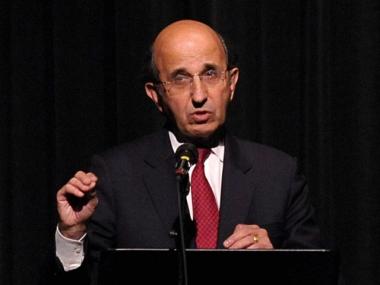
(205, 209)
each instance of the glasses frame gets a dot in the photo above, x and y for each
(166, 84)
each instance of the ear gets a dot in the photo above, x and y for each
(234, 76)
(152, 92)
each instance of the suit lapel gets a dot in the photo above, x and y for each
(160, 180)
(237, 184)
(237, 188)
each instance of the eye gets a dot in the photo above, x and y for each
(181, 79)
(210, 74)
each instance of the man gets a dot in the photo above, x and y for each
(129, 199)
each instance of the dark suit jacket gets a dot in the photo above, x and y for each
(138, 198)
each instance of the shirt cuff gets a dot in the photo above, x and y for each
(69, 251)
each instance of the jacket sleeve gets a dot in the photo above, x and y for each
(300, 226)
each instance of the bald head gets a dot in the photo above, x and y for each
(185, 35)
(194, 84)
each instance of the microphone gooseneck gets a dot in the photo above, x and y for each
(185, 156)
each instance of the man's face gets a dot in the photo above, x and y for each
(198, 108)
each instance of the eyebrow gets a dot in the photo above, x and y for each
(183, 70)
(178, 71)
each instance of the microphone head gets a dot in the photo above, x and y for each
(186, 152)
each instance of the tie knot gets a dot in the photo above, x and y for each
(203, 154)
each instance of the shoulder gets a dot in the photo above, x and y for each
(259, 150)
(136, 149)
(261, 156)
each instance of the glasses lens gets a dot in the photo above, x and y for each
(181, 83)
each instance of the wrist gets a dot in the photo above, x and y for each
(72, 232)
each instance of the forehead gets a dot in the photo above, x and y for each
(188, 47)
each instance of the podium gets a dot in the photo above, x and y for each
(160, 266)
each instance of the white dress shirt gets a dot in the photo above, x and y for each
(213, 170)
(71, 253)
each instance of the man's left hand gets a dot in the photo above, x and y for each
(248, 236)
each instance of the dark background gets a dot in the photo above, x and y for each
(70, 86)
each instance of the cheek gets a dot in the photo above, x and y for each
(221, 107)
(177, 107)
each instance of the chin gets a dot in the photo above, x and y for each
(202, 132)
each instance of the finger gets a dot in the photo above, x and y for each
(261, 243)
(80, 185)
(240, 232)
(73, 190)
(253, 237)
(248, 236)
(85, 178)
(243, 242)
(260, 239)
(92, 176)
(94, 201)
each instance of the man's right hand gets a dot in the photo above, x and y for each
(76, 202)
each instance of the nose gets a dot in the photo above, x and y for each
(198, 92)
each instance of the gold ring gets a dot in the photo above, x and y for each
(255, 238)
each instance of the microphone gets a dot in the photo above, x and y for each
(185, 156)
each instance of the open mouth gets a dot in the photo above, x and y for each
(200, 117)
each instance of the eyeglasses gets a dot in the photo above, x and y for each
(181, 82)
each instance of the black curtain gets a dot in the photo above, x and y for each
(70, 86)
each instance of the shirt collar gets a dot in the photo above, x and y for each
(218, 151)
